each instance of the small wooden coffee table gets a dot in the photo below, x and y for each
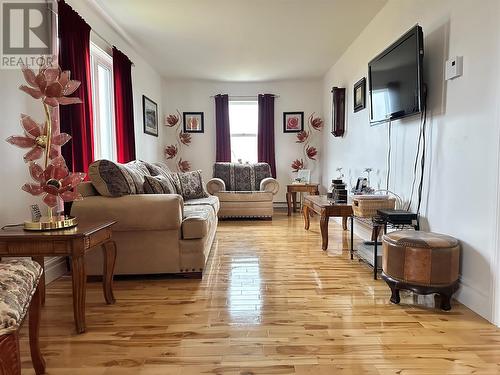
(74, 243)
(326, 209)
(293, 189)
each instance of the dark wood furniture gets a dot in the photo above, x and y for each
(74, 243)
(293, 189)
(326, 209)
(338, 111)
(10, 358)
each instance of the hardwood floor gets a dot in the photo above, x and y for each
(270, 302)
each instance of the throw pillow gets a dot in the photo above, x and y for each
(114, 180)
(159, 185)
(191, 185)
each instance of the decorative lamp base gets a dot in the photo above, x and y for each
(51, 223)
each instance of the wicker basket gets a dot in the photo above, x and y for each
(368, 207)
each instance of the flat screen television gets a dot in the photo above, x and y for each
(395, 79)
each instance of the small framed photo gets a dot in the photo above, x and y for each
(304, 176)
(293, 122)
(193, 122)
(150, 116)
(360, 95)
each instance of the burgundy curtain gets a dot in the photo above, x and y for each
(77, 119)
(124, 107)
(265, 135)
(223, 134)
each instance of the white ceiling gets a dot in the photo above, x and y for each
(242, 40)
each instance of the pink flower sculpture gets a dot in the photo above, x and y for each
(316, 122)
(172, 120)
(311, 152)
(185, 138)
(184, 165)
(55, 182)
(297, 165)
(171, 151)
(302, 136)
(51, 85)
(36, 139)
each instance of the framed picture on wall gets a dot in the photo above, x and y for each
(359, 95)
(193, 122)
(293, 122)
(150, 116)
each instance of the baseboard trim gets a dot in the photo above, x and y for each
(55, 267)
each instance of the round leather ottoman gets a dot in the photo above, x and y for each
(423, 262)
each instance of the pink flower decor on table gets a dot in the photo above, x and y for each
(292, 123)
(51, 85)
(36, 138)
(305, 138)
(297, 165)
(185, 138)
(302, 136)
(55, 181)
(182, 139)
(171, 151)
(184, 165)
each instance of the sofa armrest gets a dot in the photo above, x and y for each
(133, 212)
(270, 185)
(215, 185)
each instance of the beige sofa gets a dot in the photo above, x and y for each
(155, 233)
(244, 190)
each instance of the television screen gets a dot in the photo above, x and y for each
(395, 78)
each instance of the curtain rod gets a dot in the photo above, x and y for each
(95, 32)
(244, 96)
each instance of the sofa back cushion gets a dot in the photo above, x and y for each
(159, 185)
(112, 179)
(242, 177)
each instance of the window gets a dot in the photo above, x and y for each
(103, 103)
(243, 119)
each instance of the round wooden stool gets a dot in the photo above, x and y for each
(424, 263)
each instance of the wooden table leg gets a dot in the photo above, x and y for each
(41, 285)
(344, 222)
(34, 332)
(289, 203)
(109, 253)
(323, 224)
(79, 291)
(305, 212)
(294, 200)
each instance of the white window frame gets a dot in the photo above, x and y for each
(99, 57)
(243, 135)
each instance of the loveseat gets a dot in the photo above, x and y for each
(155, 233)
(243, 190)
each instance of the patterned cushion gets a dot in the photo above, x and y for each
(242, 177)
(159, 185)
(191, 185)
(158, 169)
(114, 180)
(18, 281)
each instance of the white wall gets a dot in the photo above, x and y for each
(460, 193)
(14, 203)
(195, 96)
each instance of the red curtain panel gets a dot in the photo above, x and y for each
(265, 135)
(223, 134)
(124, 107)
(76, 120)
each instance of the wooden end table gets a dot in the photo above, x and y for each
(293, 189)
(326, 209)
(74, 243)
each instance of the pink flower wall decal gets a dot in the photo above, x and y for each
(315, 122)
(171, 151)
(297, 165)
(302, 136)
(36, 139)
(172, 120)
(185, 138)
(311, 152)
(55, 182)
(184, 165)
(51, 85)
